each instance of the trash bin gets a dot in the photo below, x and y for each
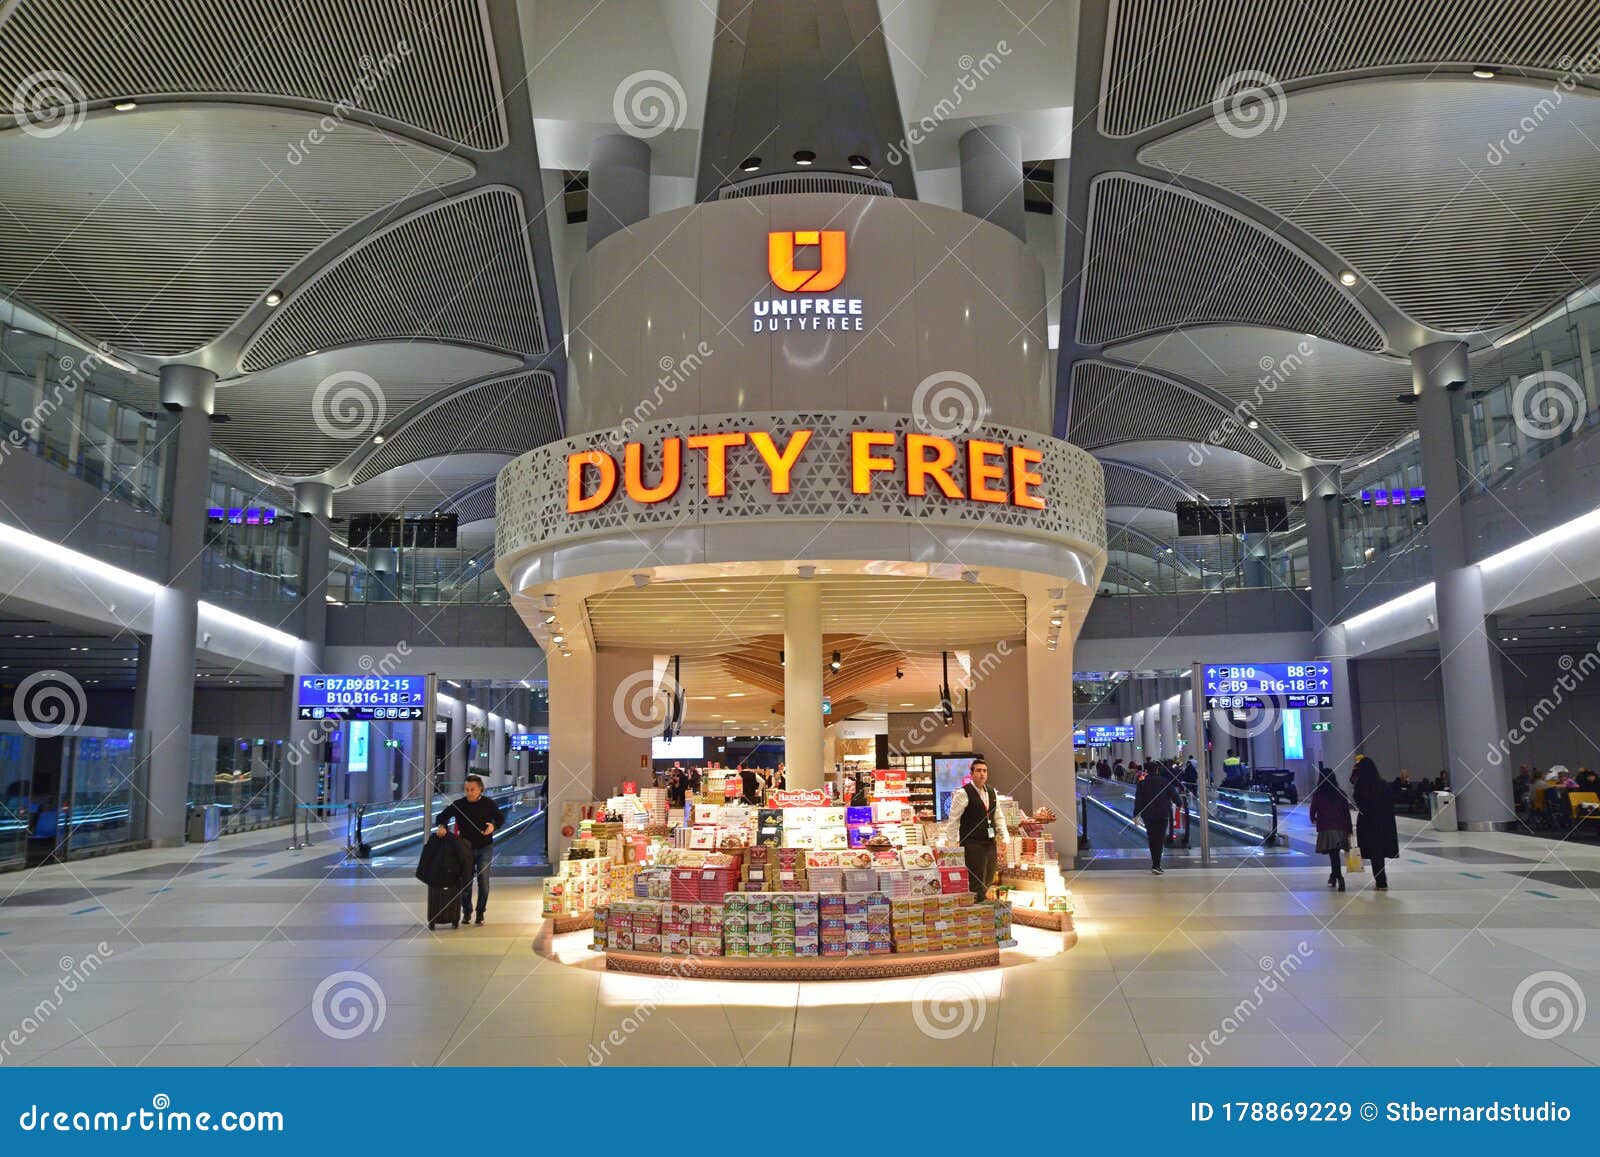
(1443, 806)
(205, 823)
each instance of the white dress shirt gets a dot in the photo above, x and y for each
(951, 832)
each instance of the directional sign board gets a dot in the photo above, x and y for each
(361, 696)
(1103, 734)
(1287, 685)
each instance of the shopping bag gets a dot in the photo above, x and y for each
(1352, 860)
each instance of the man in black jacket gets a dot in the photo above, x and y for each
(1153, 800)
(476, 817)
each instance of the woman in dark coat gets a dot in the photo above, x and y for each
(1330, 813)
(1376, 834)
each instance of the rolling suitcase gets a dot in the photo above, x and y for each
(444, 905)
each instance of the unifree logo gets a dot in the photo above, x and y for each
(783, 247)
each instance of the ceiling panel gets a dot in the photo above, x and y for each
(1330, 401)
(1158, 258)
(457, 271)
(155, 230)
(418, 486)
(427, 64)
(1112, 404)
(1465, 201)
(1210, 471)
(1165, 58)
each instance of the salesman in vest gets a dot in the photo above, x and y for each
(975, 822)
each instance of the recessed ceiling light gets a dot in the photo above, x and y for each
(125, 105)
(750, 164)
(1484, 73)
(1253, 424)
(740, 694)
(377, 439)
(857, 161)
(312, 353)
(548, 619)
(804, 157)
(274, 297)
(1347, 278)
(558, 638)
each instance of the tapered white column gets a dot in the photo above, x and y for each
(802, 682)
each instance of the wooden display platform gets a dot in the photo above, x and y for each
(1037, 918)
(802, 968)
(578, 923)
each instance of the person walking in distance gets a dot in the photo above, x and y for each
(1153, 800)
(976, 824)
(1376, 834)
(477, 817)
(1330, 815)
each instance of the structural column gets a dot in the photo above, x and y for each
(456, 760)
(497, 749)
(619, 185)
(991, 177)
(168, 718)
(313, 508)
(1189, 725)
(1474, 702)
(802, 682)
(1169, 726)
(1322, 488)
(1052, 769)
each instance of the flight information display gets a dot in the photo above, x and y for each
(1288, 685)
(530, 741)
(362, 696)
(1101, 734)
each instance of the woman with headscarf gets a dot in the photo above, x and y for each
(1376, 834)
(1330, 814)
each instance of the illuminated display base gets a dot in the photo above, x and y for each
(807, 968)
(575, 923)
(1050, 921)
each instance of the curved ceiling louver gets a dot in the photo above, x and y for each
(474, 504)
(1166, 59)
(512, 415)
(111, 230)
(1126, 486)
(1326, 399)
(428, 64)
(806, 183)
(1156, 258)
(457, 271)
(1112, 404)
(420, 486)
(1461, 228)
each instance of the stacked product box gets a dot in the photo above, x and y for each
(775, 870)
(635, 926)
(953, 880)
(705, 929)
(654, 800)
(677, 927)
(831, 930)
(943, 924)
(758, 915)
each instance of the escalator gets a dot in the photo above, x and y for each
(1240, 821)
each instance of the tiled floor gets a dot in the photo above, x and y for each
(244, 964)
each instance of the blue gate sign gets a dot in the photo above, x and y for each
(1287, 685)
(1105, 734)
(362, 696)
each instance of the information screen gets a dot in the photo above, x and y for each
(362, 696)
(1102, 734)
(1290, 685)
(679, 747)
(530, 741)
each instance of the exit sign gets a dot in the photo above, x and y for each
(1322, 727)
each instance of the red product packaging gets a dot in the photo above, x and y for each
(686, 884)
(953, 881)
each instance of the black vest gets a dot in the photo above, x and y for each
(974, 827)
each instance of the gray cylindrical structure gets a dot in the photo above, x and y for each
(1474, 701)
(456, 760)
(168, 716)
(991, 176)
(1321, 486)
(1188, 725)
(313, 507)
(619, 185)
